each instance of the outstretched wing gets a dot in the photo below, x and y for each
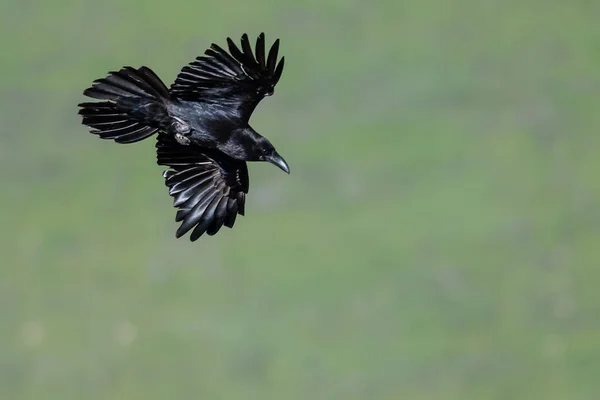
(238, 78)
(208, 187)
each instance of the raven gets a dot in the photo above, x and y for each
(202, 124)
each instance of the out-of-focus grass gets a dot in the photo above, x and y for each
(437, 238)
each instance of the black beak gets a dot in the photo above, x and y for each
(276, 159)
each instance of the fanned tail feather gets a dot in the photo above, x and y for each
(134, 104)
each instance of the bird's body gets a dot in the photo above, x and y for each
(203, 128)
(208, 124)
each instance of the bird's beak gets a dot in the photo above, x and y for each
(276, 159)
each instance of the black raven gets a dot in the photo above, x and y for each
(202, 124)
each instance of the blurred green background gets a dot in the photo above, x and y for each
(438, 237)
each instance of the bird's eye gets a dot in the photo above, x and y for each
(265, 152)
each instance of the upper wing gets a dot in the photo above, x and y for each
(238, 79)
(208, 187)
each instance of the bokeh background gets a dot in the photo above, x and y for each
(438, 237)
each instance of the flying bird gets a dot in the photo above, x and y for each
(202, 126)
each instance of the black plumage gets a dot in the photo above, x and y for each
(208, 187)
(202, 123)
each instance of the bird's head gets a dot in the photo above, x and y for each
(248, 145)
(263, 150)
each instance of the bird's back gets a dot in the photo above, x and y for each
(209, 123)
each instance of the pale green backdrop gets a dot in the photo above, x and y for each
(438, 237)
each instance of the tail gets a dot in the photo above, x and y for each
(136, 104)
